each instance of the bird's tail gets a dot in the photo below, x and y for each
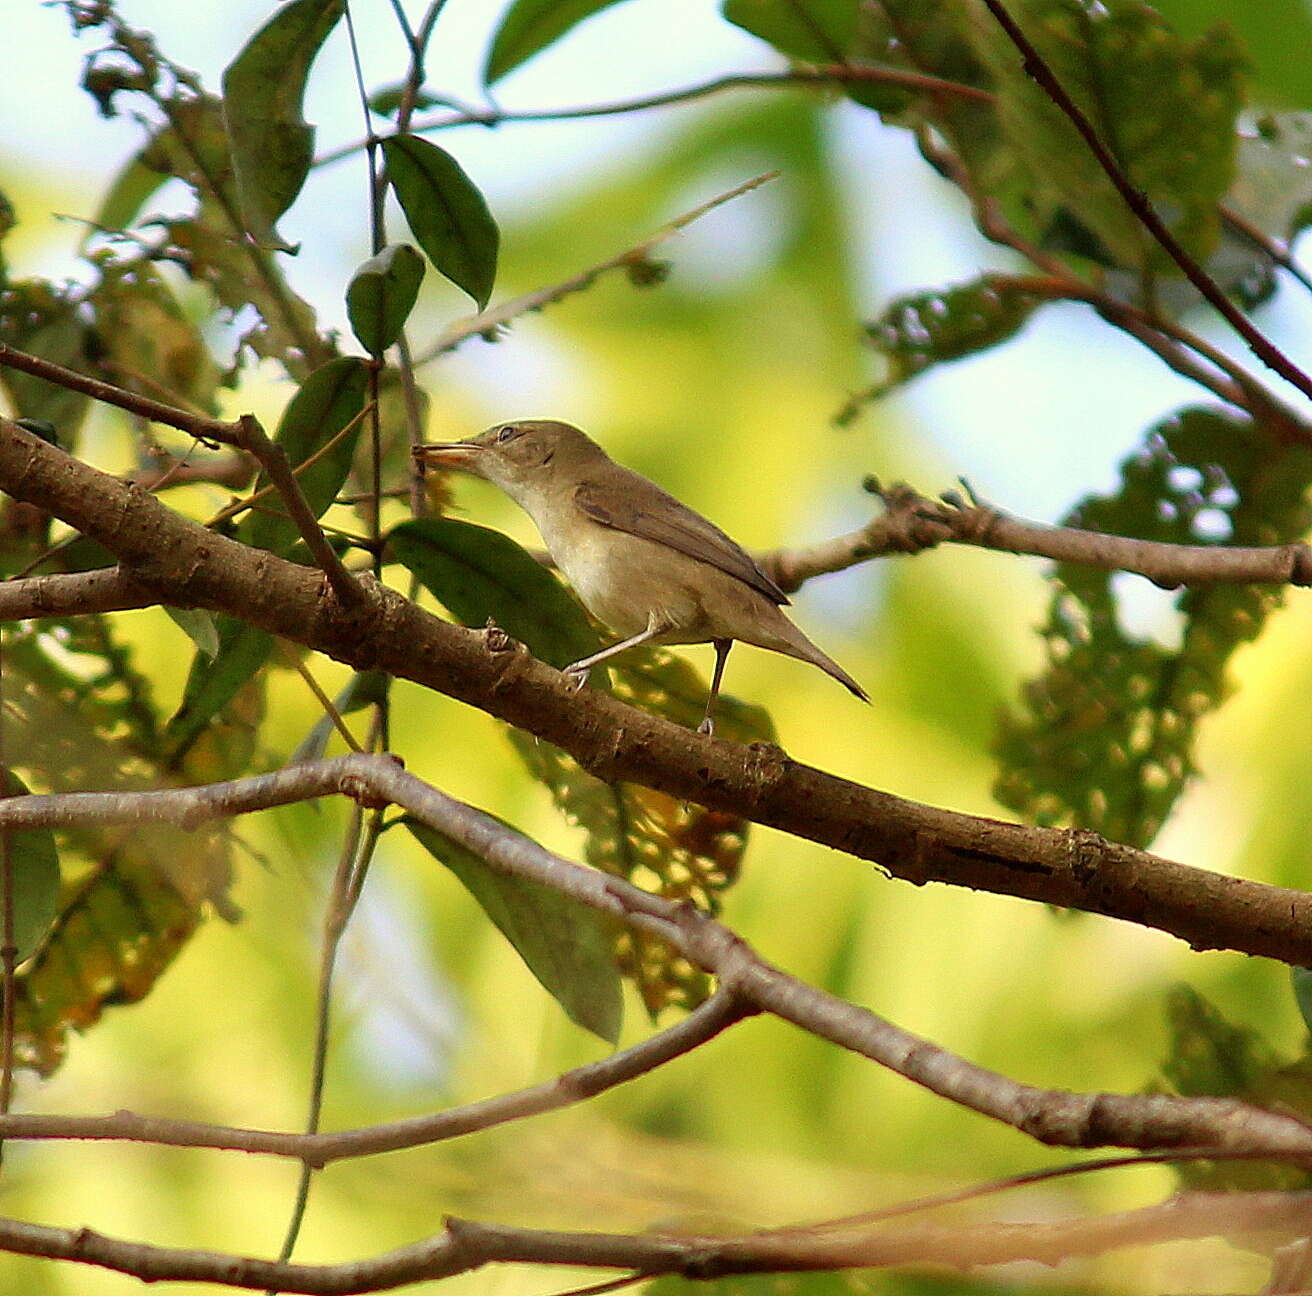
(798, 645)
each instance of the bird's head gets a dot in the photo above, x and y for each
(523, 458)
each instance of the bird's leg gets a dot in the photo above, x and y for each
(578, 671)
(722, 647)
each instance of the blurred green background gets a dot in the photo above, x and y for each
(720, 383)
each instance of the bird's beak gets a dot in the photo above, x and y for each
(460, 455)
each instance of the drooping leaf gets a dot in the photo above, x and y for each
(1166, 109)
(214, 682)
(382, 294)
(529, 26)
(329, 402)
(924, 329)
(675, 849)
(1104, 738)
(446, 213)
(568, 947)
(263, 92)
(34, 870)
(85, 719)
(199, 626)
(815, 31)
(386, 101)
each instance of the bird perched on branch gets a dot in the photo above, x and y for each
(643, 564)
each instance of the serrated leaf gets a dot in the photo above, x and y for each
(923, 329)
(381, 295)
(199, 626)
(679, 850)
(329, 400)
(815, 31)
(34, 869)
(1105, 736)
(529, 26)
(446, 213)
(567, 946)
(1166, 108)
(263, 92)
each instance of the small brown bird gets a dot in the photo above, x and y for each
(645, 565)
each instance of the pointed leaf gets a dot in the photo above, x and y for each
(34, 869)
(529, 26)
(447, 215)
(567, 946)
(263, 90)
(381, 295)
(212, 684)
(331, 399)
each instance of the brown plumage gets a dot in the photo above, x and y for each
(646, 565)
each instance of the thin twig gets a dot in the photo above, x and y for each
(495, 317)
(823, 75)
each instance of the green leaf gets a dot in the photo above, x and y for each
(35, 317)
(1165, 108)
(1105, 736)
(263, 92)
(446, 213)
(34, 868)
(386, 101)
(567, 946)
(814, 31)
(1208, 1056)
(212, 684)
(477, 573)
(529, 26)
(1301, 979)
(382, 294)
(330, 400)
(679, 850)
(928, 328)
(199, 626)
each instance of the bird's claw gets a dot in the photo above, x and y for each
(577, 677)
(707, 727)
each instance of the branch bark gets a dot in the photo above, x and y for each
(1055, 1117)
(183, 563)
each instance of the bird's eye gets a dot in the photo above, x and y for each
(507, 433)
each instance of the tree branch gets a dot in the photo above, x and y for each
(1056, 1117)
(717, 1014)
(245, 434)
(183, 563)
(913, 523)
(465, 1246)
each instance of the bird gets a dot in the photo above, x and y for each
(645, 565)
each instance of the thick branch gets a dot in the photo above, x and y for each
(912, 523)
(1052, 1116)
(246, 434)
(186, 564)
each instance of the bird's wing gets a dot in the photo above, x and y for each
(643, 509)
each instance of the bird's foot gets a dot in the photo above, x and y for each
(707, 727)
(577, 676)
